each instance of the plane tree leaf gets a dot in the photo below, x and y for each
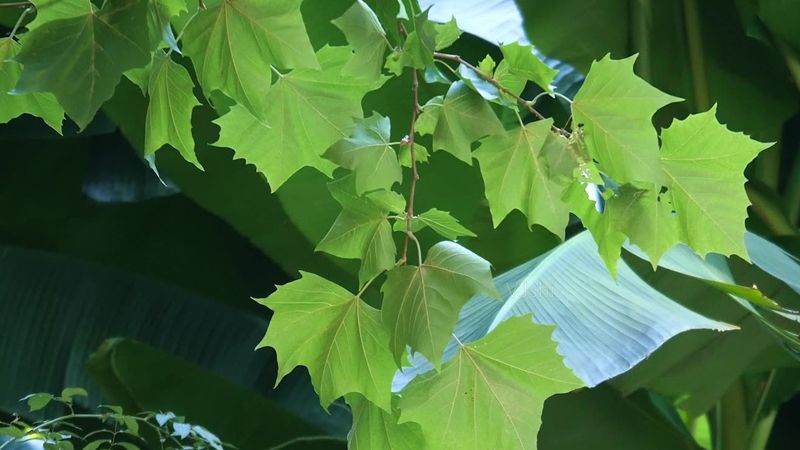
(457, 120)
(169, 113)
(49, 10)
(43, 105)
(234, 44)
(361, 231)
(364, 33)
(374, 428)
(704, 163)
(335, 335)
(615, 109)
(516, 175)
(524, 63)
(307, 111)
(446, 34)
(421, 304)
(491, 394)
(388, 200)
(368, 153)
(102, 44)
(439, 221)
(159, 14)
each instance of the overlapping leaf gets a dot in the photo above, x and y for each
(333, 333)
(491, 394)
(169, 113)
(159, 14)
(457, 120)
(704, 163)
(42, 105)
(522, 62)
(235, 43)
(421, 304)
(369, 154)
(102, 45)
(307, 111)
(374, 428)
(49, 10)
(361, 231)
(439, 221)
(365, 34)
(615, 109)
(516, 174)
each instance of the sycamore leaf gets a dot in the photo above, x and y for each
(50, 10)
(491, 394)
(374, 428)
(159, 14)
(439, 221)
(169, 114)
(516, 174)
(615, 109)
(420, 152)
(388, 200)
(102, 45)
(307, 111)
(234, 44)
(457, 120)
(361, 231)
(368, 153)
(704, 163)
(333, 333)
(503, 75)
(421, 304)
(487, 65)
(446, 34)
(43, 105)
(604, 226)
(420, 43)
(365, 34)
(524, 63)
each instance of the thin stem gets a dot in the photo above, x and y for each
(409, 234)
(298, 440)
(756, 420)
(415, 110)
(16, 5)
(19, 22)
(500, 87)
(696, 61)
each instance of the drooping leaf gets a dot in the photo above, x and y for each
(418, 48)
(439, 221)
(522, 62)
(374, 428)
(365, 34)
(457, 120)
(307, 111)
(335, 334)
(446, 34)
(361, 231)
(704, 164)
(491, 394)
(615, 108)
(368, 153)
(234, 45)
(421, 304)
(516, 174)
(102, 45)
(37, 104)
(169, 113)
(159, 13)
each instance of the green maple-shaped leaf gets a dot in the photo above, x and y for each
(491, 394)
(421, 42)
(440, 221)
(307, 111)
(365, 34)
(368, 153)
(49, 10)
(333, 333)
(374, 428)
(421, 304)
(159, 14)
(405, 154)
(446, 34)
(524, 63)
(388, 200)
(516, 174)
(34, 103)
(235, 43)
(169, 114)
(101, 46)
(361, 231)
(615, 109)
(704, 163)
(457, 120)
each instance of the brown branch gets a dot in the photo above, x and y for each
(500, 87)
(16, 5)
(415, 111)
